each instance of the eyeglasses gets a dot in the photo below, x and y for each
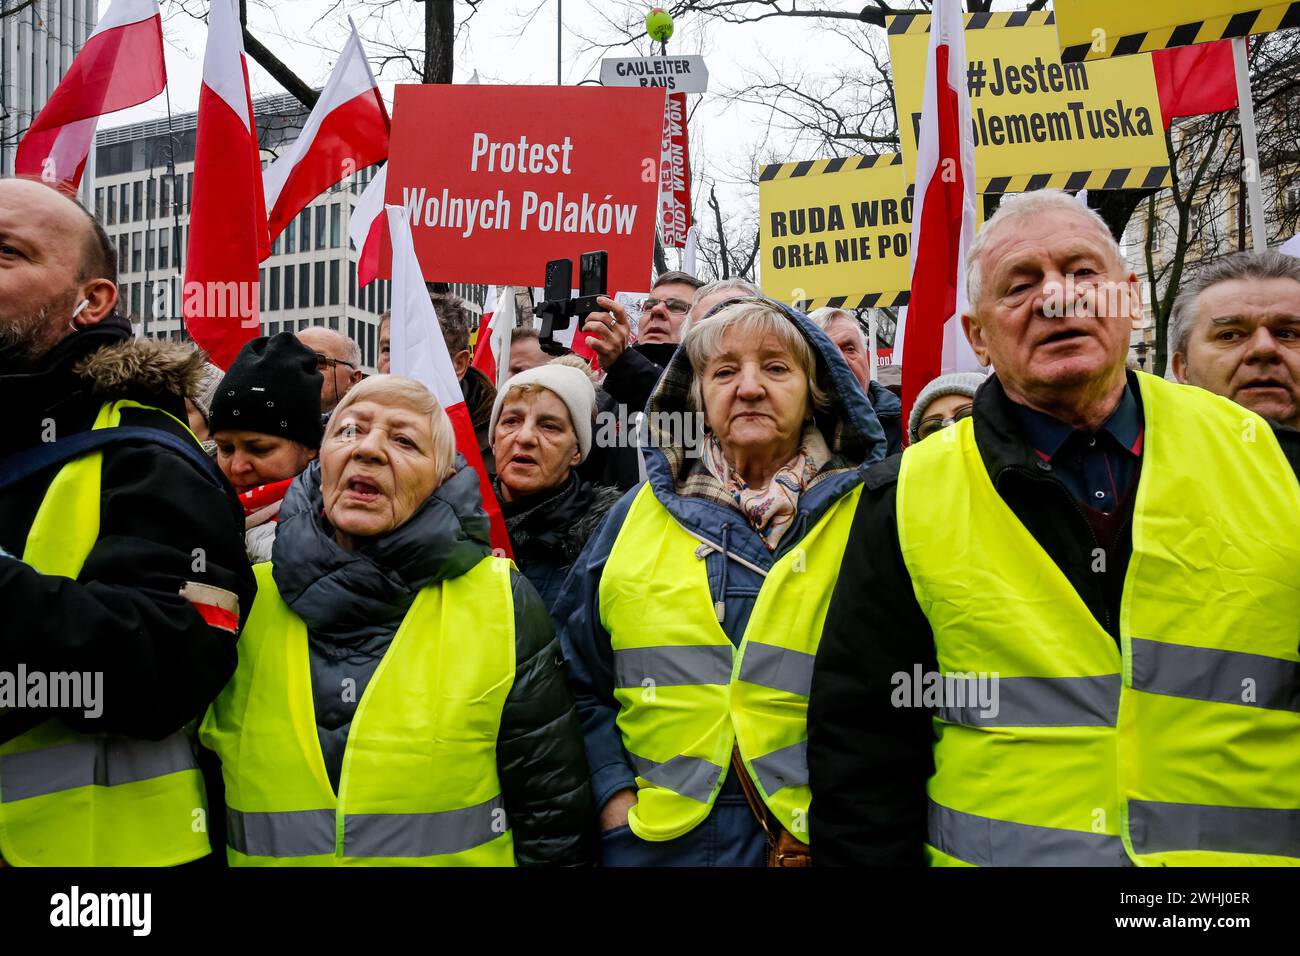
(328, 361)
(934, 424)
(675, 306)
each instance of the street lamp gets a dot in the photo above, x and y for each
(1142, 348)
(872, 15)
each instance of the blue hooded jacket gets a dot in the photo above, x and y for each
(736, 566)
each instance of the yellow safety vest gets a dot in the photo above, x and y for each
(73, 799)
(419, 782)
(1180, 748)
(686, 694)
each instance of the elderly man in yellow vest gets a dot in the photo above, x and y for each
(1067, 628)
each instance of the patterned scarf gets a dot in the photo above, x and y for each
(770, 510)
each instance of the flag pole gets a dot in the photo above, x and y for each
(1249, 146)
(872, 356)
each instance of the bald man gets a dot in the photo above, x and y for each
(338, 359)
(122, 568)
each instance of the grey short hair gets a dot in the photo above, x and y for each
(675, 275)
(1240, 265)
(756, 320)
(1022, 206)
(827, 316)
(351, 349)
(726, 285)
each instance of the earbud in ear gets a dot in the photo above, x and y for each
(78, 310)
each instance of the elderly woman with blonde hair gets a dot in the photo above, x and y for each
(399, 698)
(692, 618)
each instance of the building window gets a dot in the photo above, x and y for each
(304, 282)
(352, 283)
(320, 227)
(99, 203)
(370, 344)
(275, 288)
(275, 246)
(164, 238)
(112, 206)
(135, 298)
(164, 195)
(261, 289)
(334, 322)
(304, 230)
(288, 287)
(334, 282)
(137, 207)
(123, 251)
(189, 191)
(148, 250)
(151, 199)
(136, 250)
(335, 224)
(318, 280)
(352, 328)
(123, 205)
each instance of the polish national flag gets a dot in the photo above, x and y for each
(346, 131)
(929, 341)
(366, 229)
(120, 65)
(228, 236)
(420, 352)
(492, 350)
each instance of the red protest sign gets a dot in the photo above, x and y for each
(675, 179)
(496, 180)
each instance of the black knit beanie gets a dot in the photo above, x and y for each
(271, 387)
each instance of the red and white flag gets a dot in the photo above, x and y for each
(929, 341)
(120, 65)
(366, 229)
(346, 131)
(419, 351)
(492, 350)
(228, 236)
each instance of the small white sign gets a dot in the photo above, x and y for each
(676, 74)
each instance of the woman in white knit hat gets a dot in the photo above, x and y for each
(541, 430)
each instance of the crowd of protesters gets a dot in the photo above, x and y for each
(1046, 616)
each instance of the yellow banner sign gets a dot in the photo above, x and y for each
(1037, 122)
(836, 232)
(1094, 29)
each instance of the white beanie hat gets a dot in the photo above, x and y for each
(954, 383)
(572, 386)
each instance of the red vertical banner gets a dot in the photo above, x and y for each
(675, 175)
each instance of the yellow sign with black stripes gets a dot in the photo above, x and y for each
(836, 232)
(1038, 122)
(1095, 29)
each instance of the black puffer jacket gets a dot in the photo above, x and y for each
(161, 524)
(549, 531)
(353, 602)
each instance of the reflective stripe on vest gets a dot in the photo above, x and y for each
(419, 778)
(687, 695)
(73, 799)
(295, 833)
(1177, 746)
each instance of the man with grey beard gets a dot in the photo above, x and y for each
(121, 558)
